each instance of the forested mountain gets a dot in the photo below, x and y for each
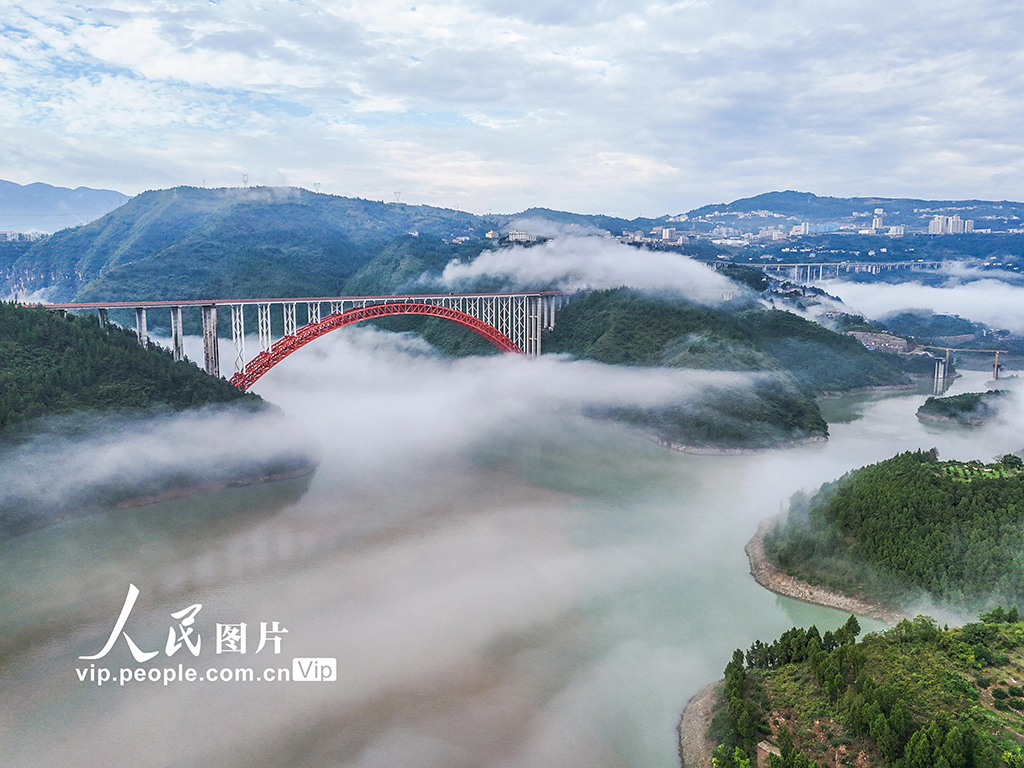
(910, 524)
(189, 242)
(51, 364)
(622, 326)
(194, 243)
(793, 359)
(914, 697)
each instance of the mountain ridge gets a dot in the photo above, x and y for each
(41, 207)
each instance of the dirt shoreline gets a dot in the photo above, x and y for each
(694, 746)
(774, 580)
(711, 450)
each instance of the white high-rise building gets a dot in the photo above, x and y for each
(950, 225)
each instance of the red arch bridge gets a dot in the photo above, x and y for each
(510, 321)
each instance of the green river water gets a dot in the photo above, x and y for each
(499, 586)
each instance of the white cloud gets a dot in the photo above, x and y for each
(576, 263)
(993, 302)
(612, 107)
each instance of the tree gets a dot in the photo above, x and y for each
(919, 751)
(784, 741)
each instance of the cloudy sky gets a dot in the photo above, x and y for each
(608, 106)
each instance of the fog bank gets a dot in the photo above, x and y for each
(504, 582)
(996, 303)
(577, 263)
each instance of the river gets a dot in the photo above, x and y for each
(501, 584)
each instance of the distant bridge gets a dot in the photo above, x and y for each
(510, 321)
(821, 270)
(824, 270)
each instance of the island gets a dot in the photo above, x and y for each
(970, 409)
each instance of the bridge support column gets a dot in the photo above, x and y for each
(238, 335)
(263, 321)
(312, 312)
(104, 320)
(211, 353)
(534, 324)
(140, 325)
(177, 338)
(551, 302)
(289, 319)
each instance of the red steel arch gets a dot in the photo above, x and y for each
(264, 361)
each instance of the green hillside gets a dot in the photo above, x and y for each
(968, 409)
(795, 359)
(630, 328)
(51, 364)
(916, 696)
(910, 524)
(194, 243)
(191, 243)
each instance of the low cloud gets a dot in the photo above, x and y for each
(576, 263)
(993, 302)
(78, 460)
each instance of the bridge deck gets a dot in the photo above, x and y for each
(287, 300)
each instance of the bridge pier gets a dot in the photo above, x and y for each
(211, 354)
(140, 325)
(103, 319)
(177, 338)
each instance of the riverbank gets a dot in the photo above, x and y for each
(711, 450)
(695, 747)
(774, 580)
(17, 521)
(832, 393)
(183, 491)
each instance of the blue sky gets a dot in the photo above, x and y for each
(630, 108)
